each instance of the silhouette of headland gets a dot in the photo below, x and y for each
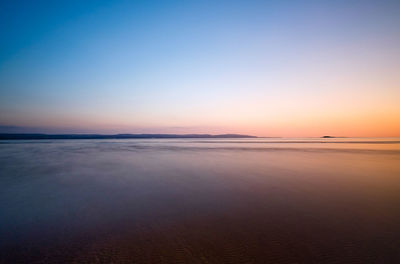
(8, 136)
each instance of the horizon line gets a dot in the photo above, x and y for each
(7, 136)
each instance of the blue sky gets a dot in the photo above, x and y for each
(259, 67)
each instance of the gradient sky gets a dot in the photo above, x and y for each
(266, 68)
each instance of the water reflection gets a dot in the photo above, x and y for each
(217, 201)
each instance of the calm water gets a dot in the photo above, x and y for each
(200, 201)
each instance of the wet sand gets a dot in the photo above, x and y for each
(185, 201)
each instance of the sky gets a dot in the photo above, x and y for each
(265, 68)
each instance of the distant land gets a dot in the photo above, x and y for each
(4, 136)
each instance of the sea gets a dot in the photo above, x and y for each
(244, 200)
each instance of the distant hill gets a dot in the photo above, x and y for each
(5, 136)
